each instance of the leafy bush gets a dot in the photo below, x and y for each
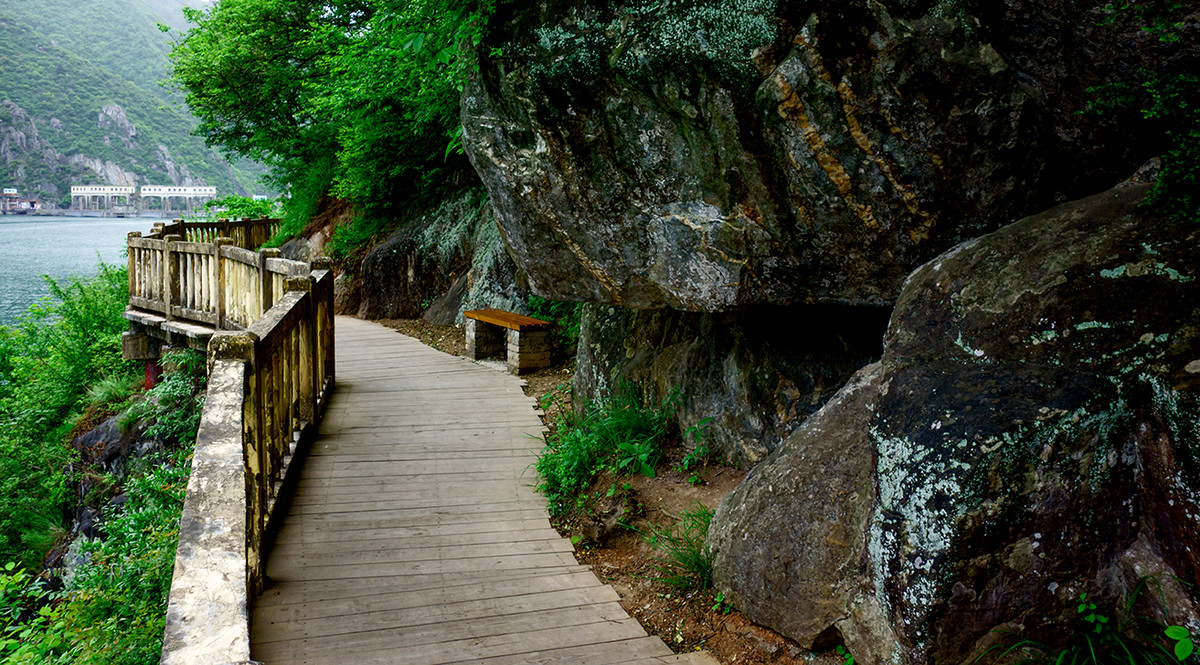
(63, 345)
(237, 207)
(31, 628)
(113, 611)
(622, 433)
(173, 407)
(683, 560)
(566, 317)
(115, 607)
(1169, 100)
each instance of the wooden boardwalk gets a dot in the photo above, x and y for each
(415, 536)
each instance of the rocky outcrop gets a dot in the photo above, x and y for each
(635, 156)
(825, 473)
(440, 263)
(1035, 432)
(113, 117)
(34, 166)
(756, 373)
(106, 171)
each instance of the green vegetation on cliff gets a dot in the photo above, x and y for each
(47, 363)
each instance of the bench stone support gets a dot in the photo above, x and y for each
(484, 340)
(528, 350)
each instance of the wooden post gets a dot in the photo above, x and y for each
(307, 353)
(170, 270)
(323, 303)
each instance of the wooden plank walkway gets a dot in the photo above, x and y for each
(415, 536)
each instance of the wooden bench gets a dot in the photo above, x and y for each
(525, 340)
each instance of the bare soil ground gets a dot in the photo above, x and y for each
(686, 620)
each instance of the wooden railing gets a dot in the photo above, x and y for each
(271, 370)
(246, 233)
(217, 283)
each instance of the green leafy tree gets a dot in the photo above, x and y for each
(358, 98)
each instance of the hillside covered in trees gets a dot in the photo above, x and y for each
(81, 102)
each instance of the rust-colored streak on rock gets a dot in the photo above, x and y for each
(792, 109)
(907, 195)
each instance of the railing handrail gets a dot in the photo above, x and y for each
(247, 233)
(271, 371)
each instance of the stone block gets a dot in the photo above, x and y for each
(483, 339)
(139, 346)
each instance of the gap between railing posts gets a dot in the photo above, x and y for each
(268, 389)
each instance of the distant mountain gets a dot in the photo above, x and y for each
(80, 101)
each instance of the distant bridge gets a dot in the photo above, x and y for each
(125, 198)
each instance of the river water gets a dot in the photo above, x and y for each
(62, 247)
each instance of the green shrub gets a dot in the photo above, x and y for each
(113, 390)
(622, 433)
(683, 560)
(566, 317)
(31, 629)
(1169, 100)
(116, 604)
(48, 360)
(173, 407)
(113, 610)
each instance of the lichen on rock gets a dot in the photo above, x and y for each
(1035, 429)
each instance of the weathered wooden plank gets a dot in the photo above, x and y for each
(359, 549)
(647, 650)
(289, 534)
(430, 609)
(442, 595)
(292, 592)
(452, 641)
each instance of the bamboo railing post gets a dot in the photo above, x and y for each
(170, 270)
(218, 243)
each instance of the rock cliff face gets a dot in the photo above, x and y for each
(29, 159)
(440, 263)
(707, 173)
(635, 157)
(1034, 431)
(756, 372)
(36, 166)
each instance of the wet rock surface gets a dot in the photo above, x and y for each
(639, 159)
(1035, 435)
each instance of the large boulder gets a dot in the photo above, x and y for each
(636, 156)
(1036, 431)
(790, 547)
(754, 374)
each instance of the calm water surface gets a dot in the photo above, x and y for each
(61, 247)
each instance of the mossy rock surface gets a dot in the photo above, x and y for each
(1035, 431)
(706, 156)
